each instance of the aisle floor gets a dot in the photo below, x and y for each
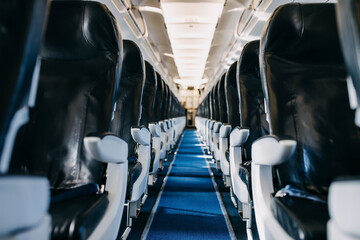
(189, 206)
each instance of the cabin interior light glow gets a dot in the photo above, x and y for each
(191, 27)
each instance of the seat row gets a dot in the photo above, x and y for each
(85, 122)
(286, 142)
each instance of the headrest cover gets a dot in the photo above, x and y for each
(171, 103)
(211, 110)
(149, 96)
(223, 116)
(232, 99)
(159, 97)
(215, 102)
(165, 103)
(133, 63)
(297, 31)
(249, 83)
(249, 59)
(207, 107)
(79, 30)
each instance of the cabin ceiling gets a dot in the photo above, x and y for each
(191, 36)
(193, 43)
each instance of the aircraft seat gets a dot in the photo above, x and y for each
(210, 123)
(226, 127)
(163, 123)
(344, 192)
(215, 124)
(223, 143)
(170, 122)
(158, 116)
(253, 124)
(167, 118)
(348, 25)
(313, 139)
(25, 200)
(127, 120)
(148, 119)
(67, 138)
(218, 123)
(232, 106)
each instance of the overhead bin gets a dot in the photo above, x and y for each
(135, 22)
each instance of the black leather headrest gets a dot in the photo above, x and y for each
(249, 83)
(210, 105)
(165, 104)
(159, 97)
(305, 88)
(348, 18)
(215, 103)
(171, 103)
(201, 111)
(133, 63)
(149, 96)
(178, 107)
(21, 24)
(251, 97)
(292, 32)
(232, 99)
(249, 59)
(223, 116)
(206, 107)
(79, 30)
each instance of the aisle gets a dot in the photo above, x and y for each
(189, 207)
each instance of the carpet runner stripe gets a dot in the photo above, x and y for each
(189, 207)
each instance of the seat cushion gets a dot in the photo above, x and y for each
(134, 171)
(245, 176)
(301, 218)
(77, 218)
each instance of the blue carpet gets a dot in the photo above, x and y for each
(189, 208)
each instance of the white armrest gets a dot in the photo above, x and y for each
(225, 130)
(24, 202)
(141, 135)
(155, 129)
(217, 126)
(211, 125)
(109, 149)
(163, 126)
(166, 124)
(269, 150)
(344, 208)
(238, 136)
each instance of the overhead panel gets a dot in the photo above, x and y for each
(191, 26)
